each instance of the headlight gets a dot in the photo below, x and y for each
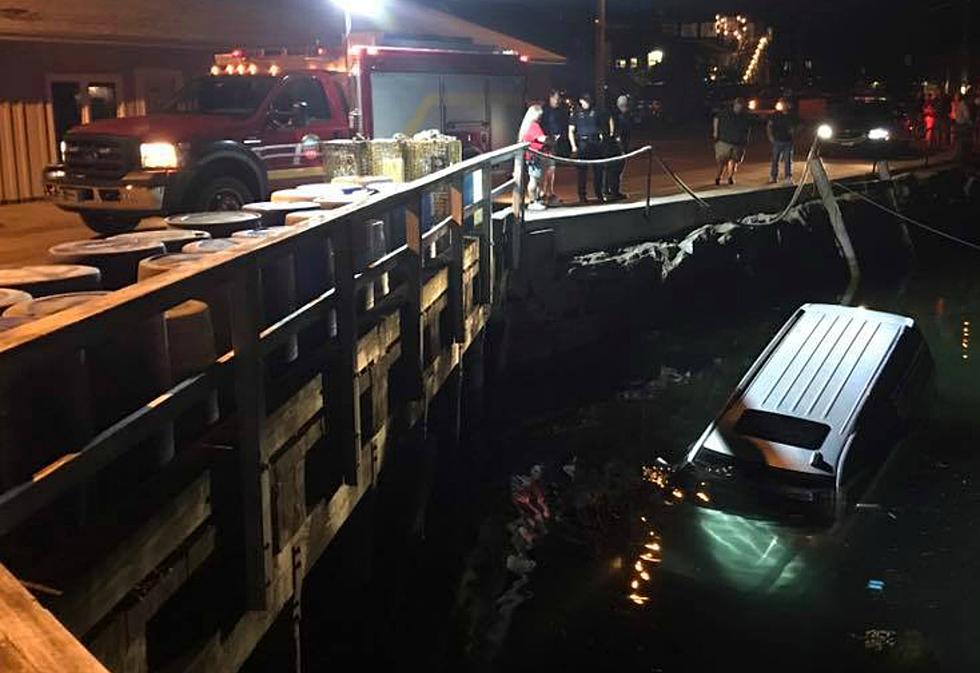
(878, 134)
(158, 155)
(825, 132)
(753, 104)
(780, 106)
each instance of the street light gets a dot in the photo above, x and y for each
(368, 8)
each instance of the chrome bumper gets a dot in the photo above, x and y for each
(137, 191)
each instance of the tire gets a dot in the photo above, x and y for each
(223, 193)
(110, 225)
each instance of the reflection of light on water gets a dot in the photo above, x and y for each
(965, 340)
(751, 554)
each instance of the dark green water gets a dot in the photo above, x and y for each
(727, 592)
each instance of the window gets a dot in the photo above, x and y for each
(634, 63)
(303, 90)
(781, 429)
(621, 64)
(226, 95)
(655, 58)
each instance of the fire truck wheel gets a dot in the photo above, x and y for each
(224, 194)
(110, 225)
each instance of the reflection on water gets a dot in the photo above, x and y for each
(892, 586)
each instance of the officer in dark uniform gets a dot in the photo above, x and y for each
(620, 130)
(587, 137)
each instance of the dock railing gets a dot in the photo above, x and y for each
(241, 375)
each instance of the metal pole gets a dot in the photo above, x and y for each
(646, 212)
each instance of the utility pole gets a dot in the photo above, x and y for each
(601, 59)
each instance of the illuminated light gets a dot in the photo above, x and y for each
(966, 323)
(964, 88)
(158, 155)
(965, 356)
(274, 69)
(320, 51)
(617, 563)
(702, 496)
(360, 7)
(635, 584)
(215, 70)
(678, 493)
(753, 104)
(878, 134)
(655, 57)
(524, 58)
(229, 69)
(240, 69)
(649, 558)
(643, 519)
(645, 576)
(253, 69)
(638, 567)
(237, 53)
(129, 188)
(825, 132)
(638, 599)
(373, 51)
(780, 106)
(652, 546)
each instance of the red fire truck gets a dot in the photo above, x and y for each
(256, 124)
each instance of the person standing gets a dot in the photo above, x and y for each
(620, 130)
(532, 134)
(964, 126)
(731, 136)
(555, 125)
(586, 136)
(780, 129)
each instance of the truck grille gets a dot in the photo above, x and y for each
(100, 156)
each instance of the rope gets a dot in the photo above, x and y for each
(906, 218)
(796, 194)
(680, 183)
(591, 162)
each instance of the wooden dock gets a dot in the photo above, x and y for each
(113, 551)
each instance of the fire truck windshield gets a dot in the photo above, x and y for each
(231, 95)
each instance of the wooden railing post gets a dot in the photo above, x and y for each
(456, 211)
(412, 328)
(343, 404)
(487, 254)
(250, 412)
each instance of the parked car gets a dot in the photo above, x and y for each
(872, 126)
(257, 124)
(817, 414)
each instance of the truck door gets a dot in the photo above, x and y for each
(299, 119)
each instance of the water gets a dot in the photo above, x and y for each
(624, 580)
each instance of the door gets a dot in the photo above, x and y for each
(299, 119)
(80, 99)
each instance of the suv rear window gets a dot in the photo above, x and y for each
(798, 432)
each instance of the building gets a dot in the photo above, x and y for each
(67, 63)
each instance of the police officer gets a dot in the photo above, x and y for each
(586, 135)
(620, 130)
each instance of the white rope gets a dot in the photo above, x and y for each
(796, 194)
(592, 162)
(906, 218)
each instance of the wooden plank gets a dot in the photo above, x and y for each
(21, 153)
(411, 323)
(100, 590)
(53, 151)
(32, 640)
(289, 485)
(8, 158)
(37, 150)
(487, 244)
(344, 426)
(283, 424)
(456, 206)
(434, 287)
(250, 411)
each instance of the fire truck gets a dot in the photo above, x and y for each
(257, 122)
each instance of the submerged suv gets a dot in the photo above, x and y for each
(225, 140)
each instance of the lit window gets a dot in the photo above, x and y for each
(655, 57)
(634, 63)
(621, 63)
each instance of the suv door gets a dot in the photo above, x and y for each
(298, 120)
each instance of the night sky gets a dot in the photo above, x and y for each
(849, 35)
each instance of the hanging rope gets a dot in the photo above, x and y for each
(592, 162)
(906, 218)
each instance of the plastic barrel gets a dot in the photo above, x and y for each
(216, 298)
(42, 280)
(172, 239)
(10, 297)
(274, 212)
(117, 260)
(219, 223)
(93, 387)
(278, 281)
